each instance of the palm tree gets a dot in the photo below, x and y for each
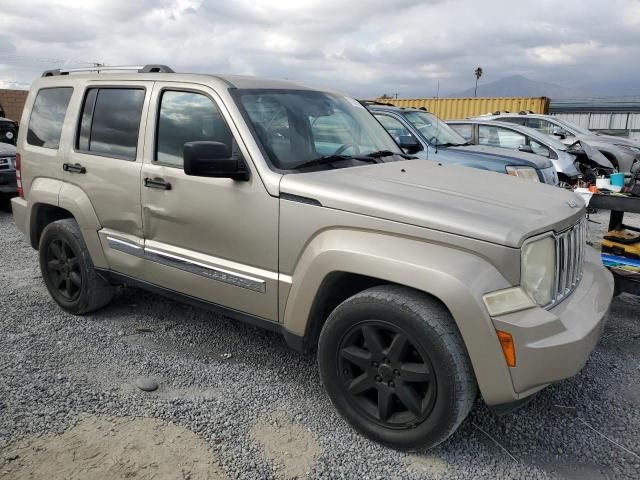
(478, 73)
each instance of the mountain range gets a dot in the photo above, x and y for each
(520, 86)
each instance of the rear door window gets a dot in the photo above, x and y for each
(47, 117)
(110, 122)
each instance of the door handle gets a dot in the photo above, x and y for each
(73, 168)
(158, 183)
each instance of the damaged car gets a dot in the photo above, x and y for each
(621, 152)
(424, 135)
(577, 161)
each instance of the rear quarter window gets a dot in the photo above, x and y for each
(47, 117)
(464, 129)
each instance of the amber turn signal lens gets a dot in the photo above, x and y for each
(508, 347)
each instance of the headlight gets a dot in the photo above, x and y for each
(538, 269)
(629, 148)
(527, 173)
(12, 163)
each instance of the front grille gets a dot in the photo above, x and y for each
(5, 163)
(570, 247)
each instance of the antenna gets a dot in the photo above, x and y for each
(436, 115)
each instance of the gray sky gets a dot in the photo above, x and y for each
(363, 48)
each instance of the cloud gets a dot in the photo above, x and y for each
(362, 47)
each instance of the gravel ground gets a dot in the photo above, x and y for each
(258, 408)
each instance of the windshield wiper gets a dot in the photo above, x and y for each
(380, 154)
(325, 160)
(329, 159)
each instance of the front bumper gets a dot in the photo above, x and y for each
(8, 182)
(555, 344)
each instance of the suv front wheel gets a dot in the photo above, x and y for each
(68, 271)
(394, 365)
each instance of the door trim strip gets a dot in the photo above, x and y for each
(188, 265)
(207, 271)
(126, 247)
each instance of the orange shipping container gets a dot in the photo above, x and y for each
(457, 108)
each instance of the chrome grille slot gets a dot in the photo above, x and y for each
(5, 164)
(570, 246)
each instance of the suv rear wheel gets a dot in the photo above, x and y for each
(68, 271)
(395, 366)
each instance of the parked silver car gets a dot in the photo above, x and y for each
(578, 160)
(621, 152)
(424, 135)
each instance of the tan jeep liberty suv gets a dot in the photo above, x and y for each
(293, 209)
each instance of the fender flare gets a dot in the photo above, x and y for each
(49, 191)
(456, 277)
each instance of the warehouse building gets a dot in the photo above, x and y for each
(612, 115)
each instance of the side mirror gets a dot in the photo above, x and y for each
(409, 143)
(212, 159)
(525, 148)
(558, 132)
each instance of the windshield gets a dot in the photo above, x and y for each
(572, 127)
(299, 127)
(434, 130)
(538, 136)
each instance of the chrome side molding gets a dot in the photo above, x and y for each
(188, 265)
(125, 246)
(207, 271)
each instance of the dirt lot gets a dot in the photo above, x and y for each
(235, 402)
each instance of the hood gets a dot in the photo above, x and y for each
(506, 155)
(473, 203)
(7, 150)
(608, 139)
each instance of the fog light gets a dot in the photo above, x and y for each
(508, 347)
(508, 300)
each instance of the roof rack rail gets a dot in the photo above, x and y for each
(376, 102)
(151, 68)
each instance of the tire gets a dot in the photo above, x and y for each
(427, 368)
(68, 271)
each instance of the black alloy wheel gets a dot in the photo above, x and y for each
(68, 271)
(394, 365)
(63, 269)
(388, 377)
